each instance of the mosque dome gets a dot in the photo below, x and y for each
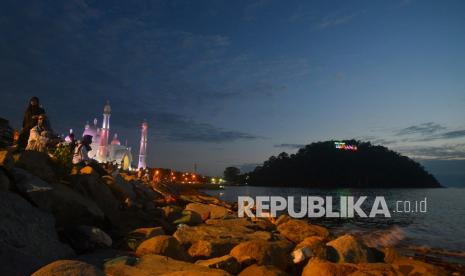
(91, 130)
(115, 140)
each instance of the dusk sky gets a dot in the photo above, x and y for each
(225, 83)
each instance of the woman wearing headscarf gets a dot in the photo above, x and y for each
(31, 115)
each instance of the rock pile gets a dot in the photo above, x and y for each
(91, 224)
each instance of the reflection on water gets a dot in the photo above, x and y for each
(441, 229)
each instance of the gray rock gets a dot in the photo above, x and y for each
(27, 183)
(85, 238)
(92, 187)
(4, 181)
(67, 206)
(28, 239)
(37, 163)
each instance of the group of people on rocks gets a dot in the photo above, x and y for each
(36, 134)
(36, 129)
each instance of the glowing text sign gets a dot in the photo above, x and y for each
(343, 146)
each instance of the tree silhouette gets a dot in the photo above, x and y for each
(321, 165)
(231, 174)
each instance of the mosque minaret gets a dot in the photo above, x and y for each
(104, 133)
(143, 146)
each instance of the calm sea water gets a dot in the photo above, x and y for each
(441, 229)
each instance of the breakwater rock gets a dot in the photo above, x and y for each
(93, 223)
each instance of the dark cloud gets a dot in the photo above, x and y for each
(180, 128)
(453, 134)
(375, 140)
(446, 152)
(87, 53)
(422, 129)
(381, 141)
(290, 146)
(445, 135)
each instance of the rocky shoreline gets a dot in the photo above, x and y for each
(86, 223)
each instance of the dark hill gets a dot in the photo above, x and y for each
(322, 165)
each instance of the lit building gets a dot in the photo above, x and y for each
(102, 151)
(143, 146)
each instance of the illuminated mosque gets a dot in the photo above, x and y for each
(105, 151)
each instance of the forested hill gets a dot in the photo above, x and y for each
(354, 164)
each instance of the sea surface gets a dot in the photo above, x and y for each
(439, 232)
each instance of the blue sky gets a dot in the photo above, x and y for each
(232, 82)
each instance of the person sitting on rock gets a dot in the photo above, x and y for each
(38, 136)
(29, 121)
(81, 152)
(81, 156)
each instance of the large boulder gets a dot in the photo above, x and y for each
(28, 184)
(158, 265)
(163, 245)
(262, 253)
(121, 188)
(244, 223)
(320, 267)
(91, 186)
(172, 212)
(144, 192)
(136, 237)
(410, 267)
(207, 211)
(84, 238)
(297, 230)
(349, 250)
(226, 263)
(6, 159)
(282, 219)
(188, 218)
(230, 236)
(28, 237)
(205, 249)
(262, 270)
(67, 206)
(68, 267)
(37, 163)
(315, 244)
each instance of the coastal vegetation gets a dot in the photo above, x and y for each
(328, 165)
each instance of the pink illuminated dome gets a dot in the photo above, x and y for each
(91, 130)
(115, 140)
